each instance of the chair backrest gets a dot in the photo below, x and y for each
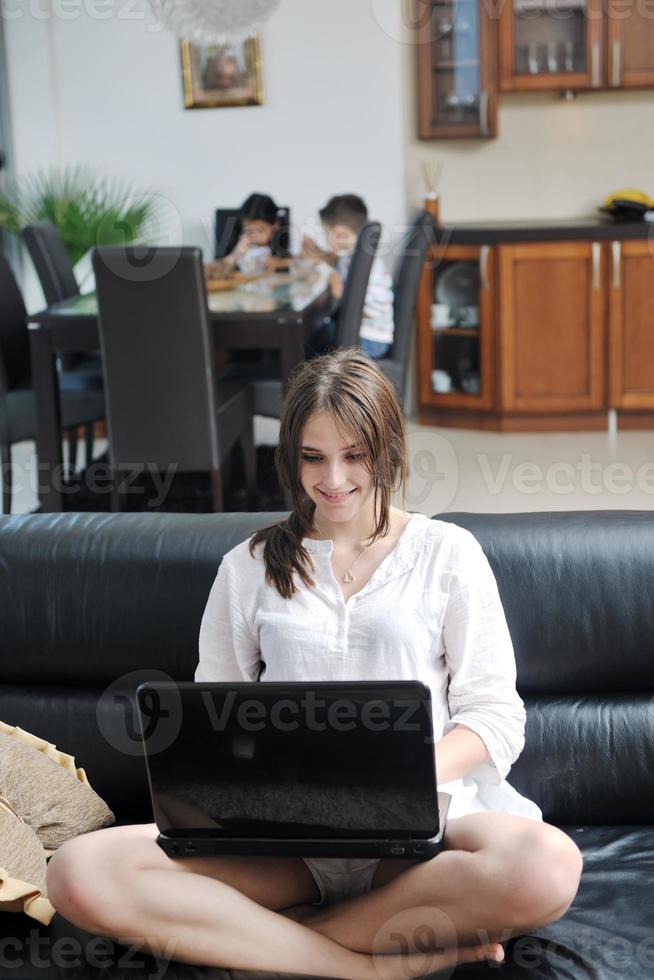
(406, 278)
(353, 301)
(228, 231)
(15, 365)
(158, 357)
(51, 261)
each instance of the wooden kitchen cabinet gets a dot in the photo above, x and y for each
(457, 91)
(555, 319)
(631, 325)
(630, 44)
(468, 51)
(575, 44)
(552, 301)
(456, 328)
(551, 44)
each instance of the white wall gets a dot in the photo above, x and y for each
(108, 92)
(552, 158)
(340, 114)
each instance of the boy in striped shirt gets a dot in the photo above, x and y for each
(343, 217)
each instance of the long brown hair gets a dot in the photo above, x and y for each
(357, 394)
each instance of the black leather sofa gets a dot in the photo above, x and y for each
(87, 600)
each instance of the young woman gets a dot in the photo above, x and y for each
(350, 587)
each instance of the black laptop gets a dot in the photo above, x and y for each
(318, 769)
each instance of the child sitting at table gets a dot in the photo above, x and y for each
(258, 248)
(342, 218)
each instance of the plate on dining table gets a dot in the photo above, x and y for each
(231, 301)
(221, 284)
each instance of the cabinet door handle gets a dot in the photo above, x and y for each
(616, 67)
(596, 252)
(595, 65)
(483, 266)
(616, 256)
(483, 113)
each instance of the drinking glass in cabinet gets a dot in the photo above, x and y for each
(549, 36)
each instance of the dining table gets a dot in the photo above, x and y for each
(275, 312)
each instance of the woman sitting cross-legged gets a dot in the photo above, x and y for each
(350, 588)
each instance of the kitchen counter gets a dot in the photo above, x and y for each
(577, 229)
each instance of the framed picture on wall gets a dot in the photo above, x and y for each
(220, 75)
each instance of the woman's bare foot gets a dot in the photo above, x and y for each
(408, 965)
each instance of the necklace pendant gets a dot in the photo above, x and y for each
(348, 577)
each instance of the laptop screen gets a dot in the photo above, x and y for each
(316, 760)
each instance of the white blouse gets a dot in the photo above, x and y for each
(430, 612)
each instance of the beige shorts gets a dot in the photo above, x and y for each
(339, 878)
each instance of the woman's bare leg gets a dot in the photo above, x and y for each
(500, 875)
(119, 883)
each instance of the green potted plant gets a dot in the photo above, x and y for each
(88, 208)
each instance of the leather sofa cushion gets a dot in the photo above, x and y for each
(605, 935)
(577, 588)
(589, 758)
(87, 598)
(578, 593)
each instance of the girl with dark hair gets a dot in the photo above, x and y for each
(350, 587)
(260, 220)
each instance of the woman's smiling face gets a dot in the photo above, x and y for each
(333, 471)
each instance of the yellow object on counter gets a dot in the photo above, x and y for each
(629, 194)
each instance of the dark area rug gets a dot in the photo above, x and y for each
(89, 490)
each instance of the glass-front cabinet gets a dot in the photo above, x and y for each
(456, 339)
(552, 44)
(457, 91)
(469, 50)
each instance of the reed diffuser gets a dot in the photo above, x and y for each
(431, 176)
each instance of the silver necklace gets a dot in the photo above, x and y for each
(348, 577)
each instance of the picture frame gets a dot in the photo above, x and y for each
(217, 76)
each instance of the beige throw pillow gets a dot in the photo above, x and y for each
(22, 868)
(47, 791)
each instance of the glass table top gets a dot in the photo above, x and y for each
(277, 292)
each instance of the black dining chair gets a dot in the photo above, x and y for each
(228, 229)
(406, 279)
(268, 388)
(51, 260)
(54, 269)
(165, 407)
(80, 405)
(350, 309)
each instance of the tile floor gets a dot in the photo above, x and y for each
(463, 470)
